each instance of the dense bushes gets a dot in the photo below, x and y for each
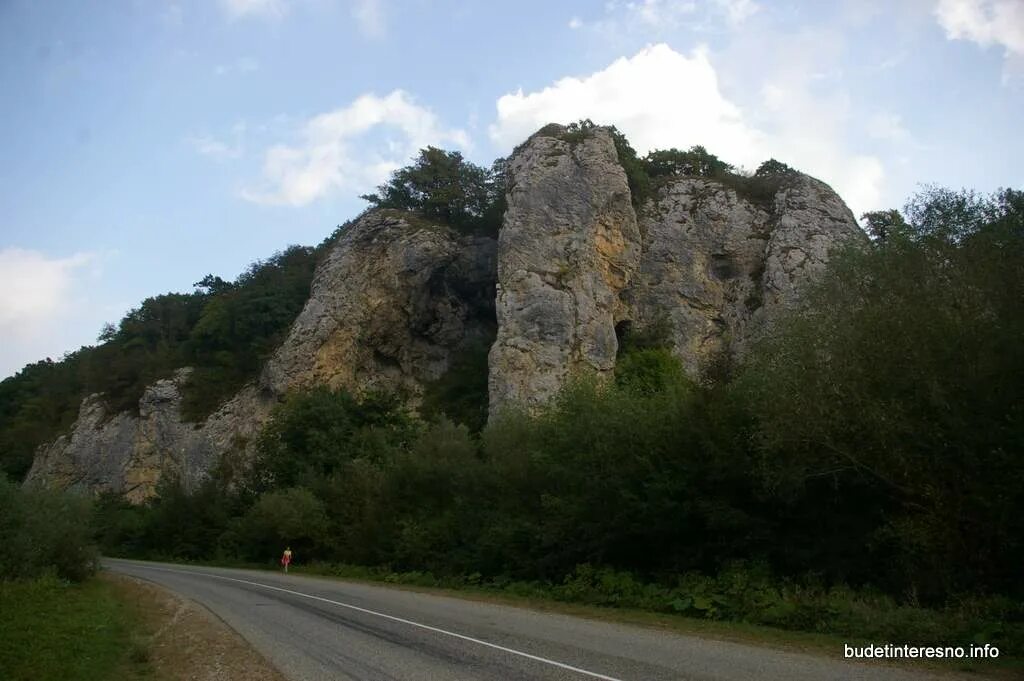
(898, 391)
(44, 531)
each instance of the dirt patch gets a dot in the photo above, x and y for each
(182, 641)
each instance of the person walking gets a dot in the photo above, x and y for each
(286, 558)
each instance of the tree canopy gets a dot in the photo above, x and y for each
(444, 186)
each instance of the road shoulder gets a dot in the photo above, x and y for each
(184, 641)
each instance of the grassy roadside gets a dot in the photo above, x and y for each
(829, 645)
(53, 630)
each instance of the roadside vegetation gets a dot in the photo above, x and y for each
(53, 630)
(59, 622)
(857, 473)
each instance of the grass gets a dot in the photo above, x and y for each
(53, 630)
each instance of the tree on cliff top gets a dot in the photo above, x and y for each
(443, 185)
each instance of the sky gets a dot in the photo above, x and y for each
(146, 143)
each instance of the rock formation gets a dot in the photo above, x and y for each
(130, 454)
(397, 298)
(569, 247)
(391, 303)
(717, 265)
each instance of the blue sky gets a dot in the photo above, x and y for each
(149, 142)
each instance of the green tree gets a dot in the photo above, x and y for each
(441, 185)
(772, 167)
(885, 224)
(44, 530)
(314, 433)
(893, 399)
(697, 161)
(282, 518)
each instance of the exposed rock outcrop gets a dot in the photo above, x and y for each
(390, 305)
(130, 454)
(398, 298)
(717, 265)
(395, 298)
(569, 248)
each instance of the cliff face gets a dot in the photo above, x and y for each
(576, 266)
(716, 266)
(568, 250)
(130, 454)
(388, 307)
(397, 298)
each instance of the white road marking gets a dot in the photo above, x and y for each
(438, 630)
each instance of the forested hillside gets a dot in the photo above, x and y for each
(223, 329)
(858, 471)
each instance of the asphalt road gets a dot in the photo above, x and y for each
(313, 629)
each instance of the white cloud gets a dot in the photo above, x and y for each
(268, 9)
(575, 23)
(369, 17)
(332, 152)
(34, 288)
(40, 299)
(660, 12)
(660, 98)
(210, 146)
(985, 22)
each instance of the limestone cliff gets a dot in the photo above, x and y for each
(390, 304)
(717, 265)
(569, 248)
(388, 307)
(130, 454)
(578, 260)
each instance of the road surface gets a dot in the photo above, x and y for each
(316, 629)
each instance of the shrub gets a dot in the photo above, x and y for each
(42, 530)
(290, 517)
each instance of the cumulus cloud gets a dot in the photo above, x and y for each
(33, 287)
(332, 151)
(268, 9)
(658, 98)
(985, 22)
(661, 98)
(37, 294)
(988, 23)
